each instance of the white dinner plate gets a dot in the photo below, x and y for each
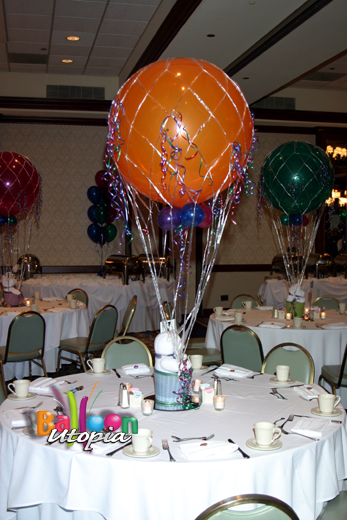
(275, 380)
(13, 397)
(92, 373)
(335, 412)
(274, 446)
(129, 451)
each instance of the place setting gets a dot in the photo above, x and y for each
(327, 405)
(141, 445)
(224, 314)
(97, 367)
(20, 390)
(282, 375)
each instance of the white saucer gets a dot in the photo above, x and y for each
(275, 380)
(274, 446)
(224, 318)
(335, 412)
(27, 432)
(92, 373)
(153, 452)
(204, 367)
(15, 398)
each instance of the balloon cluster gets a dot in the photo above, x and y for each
(190, 215)
(101, 213)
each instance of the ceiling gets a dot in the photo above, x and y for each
(264, 45)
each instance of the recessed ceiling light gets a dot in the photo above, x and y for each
(332, 68)
(43, 49)
(246, 77)
(211, 35)
(251, 3)
(73, 38)
(67, 61)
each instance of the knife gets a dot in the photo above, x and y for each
(211, 370)
(115, 370)
(118, 449)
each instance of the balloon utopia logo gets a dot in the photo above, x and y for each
(75, 429)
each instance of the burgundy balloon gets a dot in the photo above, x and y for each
(112, 215)
(19, 184)
(207, 217)
(102, 179)
(304, 220)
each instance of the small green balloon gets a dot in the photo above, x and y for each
(12, 220)
(101, 214)
(297, 177)
(284, 219)
(109, 232)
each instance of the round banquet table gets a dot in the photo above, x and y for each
(108, 291)
(61, 323)
(39, 481)
(275, 292)
(325, 346)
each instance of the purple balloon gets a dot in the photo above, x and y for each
(169, 218)
(207, 217)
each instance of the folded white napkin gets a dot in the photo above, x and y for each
(44, 385)
(61, 309)
(272, 325)
(228, 312)
(52, 299)
(225, 318)
(141, 368)
(207, 449)
(232, 371)
(307, 393)
(262, 308)
(311, 427)
(332, 326)
(17, 418)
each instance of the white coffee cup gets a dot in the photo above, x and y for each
(142, 441)
(238, 317)
(298, 323)
(20, 387)
(97, 365)
(73, 304)
(342, 307)
(266, 433)
(218, 311)
(327, 402)
(196, 361)
(281, 315)
(69, 297)
(247, 304)
(34, 308)
(37, 295)
(282, 373)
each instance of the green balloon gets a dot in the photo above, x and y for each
(284, 219)
(109, 232)
(12, 220)
(297, 177)
(101, 214)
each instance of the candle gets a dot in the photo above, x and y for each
(219, 402)
(195, 399)
(288, 316)
(307, 314)
(197, 384)
(147, 406)
(323, 315)
(129, 385)
(27, 302)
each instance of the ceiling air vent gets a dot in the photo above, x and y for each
(277, 103)
(33, 59)
(74, 92)
(324, 76)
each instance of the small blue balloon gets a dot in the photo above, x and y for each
(3, 220)
(94, 233)
(91, 214)
(191, 215)
(95, 423)
(94, 194)
(169, 218)
(295, 220)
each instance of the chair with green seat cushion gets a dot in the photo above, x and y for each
(25, 341)
(101, 332)
(128, 316)
(3, 393)
(335, 509)
(300, 361)
(335, 375)
(236, 303)
(126, 350)
(271, 509)
(242, 347)
(329, 302)
(80, 295)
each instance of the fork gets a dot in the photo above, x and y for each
(70, 382)
(30, 407)
(165, 445)
(290, 418)
(275, 392)
(178, 439)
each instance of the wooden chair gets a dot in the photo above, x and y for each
(25, 341)
(329, 302)
(300, 362)
(236, 303)
(335, 375)
(80, 295)
(102, 330)
(242, 347)
(272, 509)
(126, 350)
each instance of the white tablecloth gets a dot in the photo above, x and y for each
(275, 292)
(302, 473)
(59, 325)
(108, 291)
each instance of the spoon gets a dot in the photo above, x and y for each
(178, 439)
(30, 407)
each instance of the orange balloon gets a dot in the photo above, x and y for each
(178, 120)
